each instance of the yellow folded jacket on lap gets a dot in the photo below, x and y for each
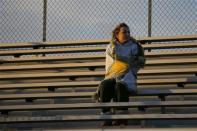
(117, 69)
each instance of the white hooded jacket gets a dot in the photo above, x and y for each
(126, 53)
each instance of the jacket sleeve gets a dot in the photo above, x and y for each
(141, 56)
(109, 58)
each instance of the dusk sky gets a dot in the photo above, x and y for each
(21, 20)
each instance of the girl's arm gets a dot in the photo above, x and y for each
(109, 58)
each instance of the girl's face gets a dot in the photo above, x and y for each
(123, 35)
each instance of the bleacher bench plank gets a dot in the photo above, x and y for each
(146, 92)
(91, 56)
(191, 70)
(168, 38)
(50, 51)
(98, 105)
(59, 50)
(68, 118)
(145, 46)
(173, 53)
(182, 61)
(169, 45)
(192, 80)
(51, 44)
(52, 58)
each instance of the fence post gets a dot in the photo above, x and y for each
(149, 17)
(149, 20)
(44, 20)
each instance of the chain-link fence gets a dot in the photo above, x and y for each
(52, 20)
(21, 20)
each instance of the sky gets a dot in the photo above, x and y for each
(21, 20)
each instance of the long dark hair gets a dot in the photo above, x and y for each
(116, 31)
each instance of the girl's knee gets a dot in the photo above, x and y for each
(121, 86)
(107, 82)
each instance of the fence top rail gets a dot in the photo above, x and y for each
(89, 42)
